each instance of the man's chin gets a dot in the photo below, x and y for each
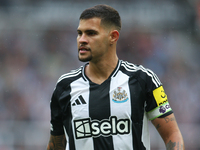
(85, 59)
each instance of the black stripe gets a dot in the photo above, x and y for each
(99, 109)
(82, 100)
(137, 112)
(65, 102)
(117, 68)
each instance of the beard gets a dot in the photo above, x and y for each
(85, 59)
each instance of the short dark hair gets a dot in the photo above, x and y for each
(107, 14)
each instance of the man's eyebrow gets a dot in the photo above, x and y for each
(89, 30)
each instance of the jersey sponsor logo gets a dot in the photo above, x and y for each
(160, 96)
(119, 95)
(85, 128)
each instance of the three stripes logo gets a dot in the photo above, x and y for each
(79, 101)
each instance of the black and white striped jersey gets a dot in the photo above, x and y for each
(111, 116)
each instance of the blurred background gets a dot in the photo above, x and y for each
(38, 45)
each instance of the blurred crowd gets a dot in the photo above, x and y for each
(31, 61)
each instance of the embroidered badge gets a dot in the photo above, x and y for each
(120, 95)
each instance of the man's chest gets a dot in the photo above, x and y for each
(117, 97)
(109, 108)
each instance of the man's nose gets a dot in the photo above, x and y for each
(83, 39)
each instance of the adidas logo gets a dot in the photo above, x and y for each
(79, 101)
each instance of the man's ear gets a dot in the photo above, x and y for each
(114, 36)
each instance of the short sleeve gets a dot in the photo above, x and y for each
(157, 104)
(56, 115)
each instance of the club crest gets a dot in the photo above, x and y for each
(120, 95)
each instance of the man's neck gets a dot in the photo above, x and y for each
(100, 71)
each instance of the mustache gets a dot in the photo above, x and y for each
(84, 48)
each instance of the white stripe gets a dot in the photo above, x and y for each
(121, 80)
(80, 87)
(145, 132)
(134, 68)
(154, 75)
(68, 75)
(67, 139)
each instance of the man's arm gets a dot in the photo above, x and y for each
(170, 133)
(57, 142)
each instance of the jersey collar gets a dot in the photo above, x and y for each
(113, 74)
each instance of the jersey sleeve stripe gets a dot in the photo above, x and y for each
(151, 74)
(154, 75)
(71, 74)
(134, 68)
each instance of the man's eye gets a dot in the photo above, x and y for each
(92, 33)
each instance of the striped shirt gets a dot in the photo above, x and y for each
(111, 116)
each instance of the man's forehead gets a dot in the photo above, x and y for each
(90, 23)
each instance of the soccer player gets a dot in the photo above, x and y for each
(106, 104)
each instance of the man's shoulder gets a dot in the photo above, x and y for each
(70, 76)
(134, 68)
(140, 72)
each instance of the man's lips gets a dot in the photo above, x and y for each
(83, 49)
